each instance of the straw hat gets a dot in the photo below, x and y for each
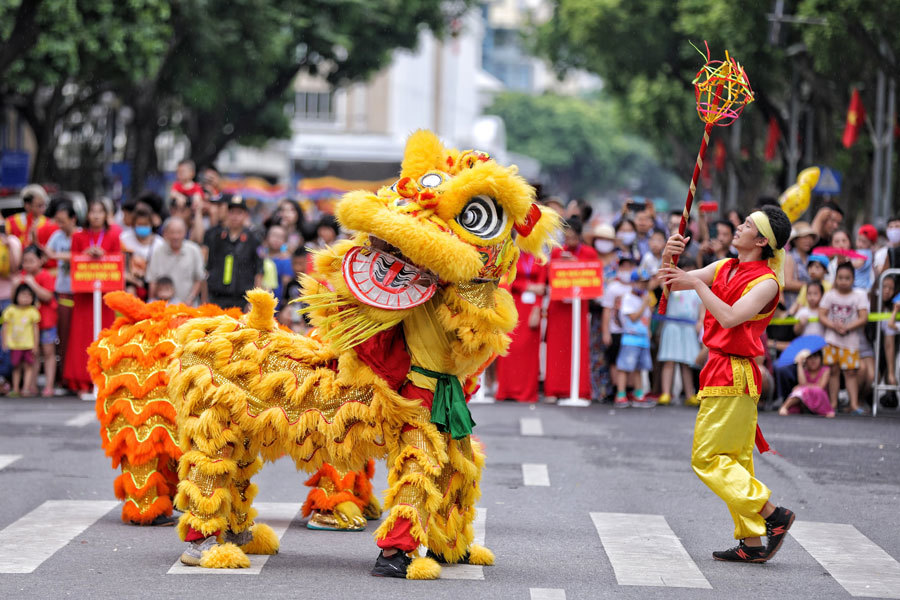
(604, 231)
(802, 228)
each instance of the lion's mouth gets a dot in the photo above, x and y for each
(380, 275)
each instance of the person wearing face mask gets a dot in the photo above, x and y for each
(137, 244)
(889, 256)
(610, 324)
(604, 242)
(559, 324)
(626, 237)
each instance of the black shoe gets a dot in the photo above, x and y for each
(777, 526)
(743, 553)
(463, 560)
(393, 566)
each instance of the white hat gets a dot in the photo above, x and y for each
(34, 189)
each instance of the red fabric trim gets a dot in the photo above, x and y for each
(193, 535)
(385, 353)
(761, 444)
(414, 392)
(399, 537)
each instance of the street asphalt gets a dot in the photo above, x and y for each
(598, 460)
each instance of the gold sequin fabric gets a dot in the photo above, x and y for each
(479, 294)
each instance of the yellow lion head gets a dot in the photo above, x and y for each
(451, 217)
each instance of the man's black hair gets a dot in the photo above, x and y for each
(574, 223)
(300, 252)
(817, 284)
(330, 221)
(845, 265)
(727, 224)
(833, 206)
(781, 227)
(68, 208)
(165, 280)
(893, 218)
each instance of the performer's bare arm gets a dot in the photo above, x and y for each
(750, 304)
(676, 245)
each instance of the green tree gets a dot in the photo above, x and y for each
(642, 50)
(214, 70)
(580, 144)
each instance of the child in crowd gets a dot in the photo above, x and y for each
(844, 312)
(839, 239)
(276, 261)
(611, 301)
(812, 377)
(20, 338)
(165, 289)
(680, 341)
(650, 262)
(889, 327)
(817, 267)
(289, 315)
(863, 271)
(41, 283)
(184, 185)
(804, 326)
(634, 354)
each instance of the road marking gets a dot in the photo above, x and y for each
(534, 474)
(531, 426)
(8, 459)
(855, 562)
(277, 515)
(547, 594)
(643, 550)
(37, 536)
(82, 419)
(469, 571)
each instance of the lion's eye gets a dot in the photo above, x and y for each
(431, 180)
(482, 216)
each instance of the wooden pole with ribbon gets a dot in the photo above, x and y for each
(722, 91)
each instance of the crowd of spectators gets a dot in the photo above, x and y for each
(630, 356)
(195, 244)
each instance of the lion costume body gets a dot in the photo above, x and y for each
(407, 313)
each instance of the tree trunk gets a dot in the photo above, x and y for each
(142, 145)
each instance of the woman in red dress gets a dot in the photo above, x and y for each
(518, 371)
(96, 240)
(559, 325)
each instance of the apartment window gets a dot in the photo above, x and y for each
(314, 106)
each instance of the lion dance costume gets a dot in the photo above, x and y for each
(407, 313)
(128, 364)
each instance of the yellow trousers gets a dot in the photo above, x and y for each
(722, 458)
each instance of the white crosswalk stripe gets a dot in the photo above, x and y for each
(547, 594)
(469, 571)
(82, 419)
(8, 459)
(855, 562)
(630, 539)
(277, 515)
(535, 474)
(531, 426)
(37, 536)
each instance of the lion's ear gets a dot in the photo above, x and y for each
(424, 152)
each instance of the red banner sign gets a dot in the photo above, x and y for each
(106, 274)
(576, 279)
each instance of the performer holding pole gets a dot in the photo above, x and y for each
(740, 296)
(722, 91)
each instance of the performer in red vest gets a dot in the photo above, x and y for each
(740, 296)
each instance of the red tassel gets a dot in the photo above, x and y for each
(761, 444)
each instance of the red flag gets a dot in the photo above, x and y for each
(719, 155)
(856, 114)
(772, 137)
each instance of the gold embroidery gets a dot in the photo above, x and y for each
(143, 432)
(140, 473)
(479, 294)
(143, 503)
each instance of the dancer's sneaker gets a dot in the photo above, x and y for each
(642, 401)
(743, 553)
(193, 554)
(777, 526)
(239, 539)
(621, 402)
(160, 521)
(392, 566)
